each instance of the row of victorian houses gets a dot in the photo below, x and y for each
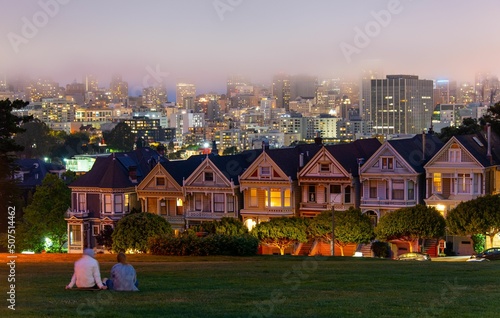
(305, 180)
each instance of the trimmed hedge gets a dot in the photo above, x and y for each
(214, 244)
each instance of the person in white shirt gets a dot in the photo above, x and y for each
(87, 274)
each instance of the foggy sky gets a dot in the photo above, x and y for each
(199, 42)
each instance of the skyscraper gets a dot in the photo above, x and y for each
(119, 89)
(185, 95)
(281, 91)
(400, 104)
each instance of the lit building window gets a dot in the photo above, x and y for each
(437, 182)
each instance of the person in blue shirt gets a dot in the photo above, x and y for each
(123, 276)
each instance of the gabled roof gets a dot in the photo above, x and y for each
(347, 154)
(113, 171)
(477, 146)
(411, 149)
(479, 149)
(288, 159)
(34, 171)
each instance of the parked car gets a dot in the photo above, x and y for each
(413, 256)
(490, 254)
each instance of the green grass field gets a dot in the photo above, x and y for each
(260, 286)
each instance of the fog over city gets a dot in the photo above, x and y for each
(204, 41)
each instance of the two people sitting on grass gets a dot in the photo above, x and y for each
(123, 276)
(87, 274)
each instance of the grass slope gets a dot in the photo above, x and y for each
(261, 286)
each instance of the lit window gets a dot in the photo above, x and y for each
(253, 197)
(287, 198)
(275, 197)
(437, 182)
(387, 163)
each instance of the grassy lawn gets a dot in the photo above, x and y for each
(260, 286)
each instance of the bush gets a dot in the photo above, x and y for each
(381, 249)
(213, 244)
(134, 230)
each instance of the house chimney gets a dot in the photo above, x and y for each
(488, 154)
(132, 173)
(214, 148)
(318, 140)
(301, 160)
(423, 145)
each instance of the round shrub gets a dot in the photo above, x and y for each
(133, 231)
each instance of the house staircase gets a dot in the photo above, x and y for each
(365, 249)
(431, 247)
(305, 248)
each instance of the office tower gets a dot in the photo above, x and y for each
(486, 88)
(303, 86)
(185, 95)
(465, 93)
(154, 96)
(445, 92)
(119, 89)
(91, 83)
(281, 91)
(400, 104)
(233, 82)
(42, 88)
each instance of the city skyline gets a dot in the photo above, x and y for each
(204, 42)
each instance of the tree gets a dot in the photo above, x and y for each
(72, 144)
(411, 224)
(10, 125)
(469, 126)
(44, 217)
(105, 237)
(230, 151)
(120, 138)
(493, 117)
(37, 140)
(226, 226)
(281, 232)
(351, 227)
(133, 231)
(478, 216)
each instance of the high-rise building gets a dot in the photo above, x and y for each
(281, 91)
(486, 88)
(185, 95)
(42, 88)
(154, 96)
(445, 92)
(303, 86)
(400, 104)
(119, 90)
